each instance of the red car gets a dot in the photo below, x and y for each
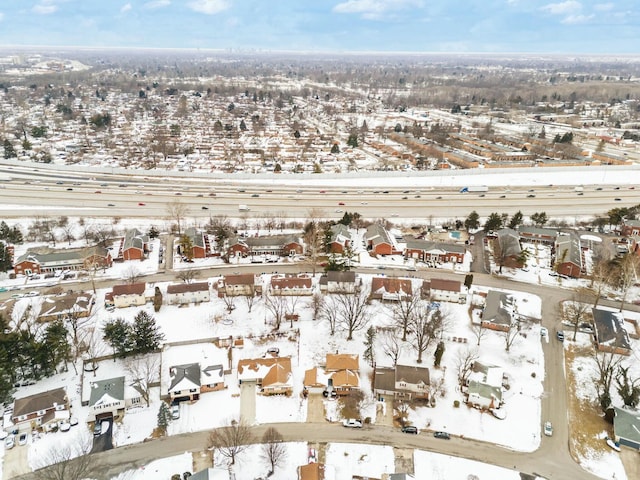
(141, 204)
(341, 203)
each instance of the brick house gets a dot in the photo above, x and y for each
(546, 236)
(507, 248)
(630, 228)
(379, 241)
(433, 252)
(340, 239)
(568, 254)
(48, 260)
(134, 245)
(498, 311)
(199, 242)
(182, 293)
(279, 245)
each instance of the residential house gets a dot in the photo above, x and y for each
(271, 374)
(73, 305)
(379, 241)
(433, 252)
(391, 288)
(630, 228)
(402, 381)
(568, 254)
(44, 409)
(199, 242)
(342, 371)
(291, 285)
(610, 334)
(129, 295)
(340, 239)
(311, 471)
(546, 236)
(498, 311)
(626, 428)
(278, 245)
(484, 387)
(106, 399)
(47, 260)
(442, 290)
(182, 293)
(338, 282)
(244, 284)
(184, 382)
(507, 250)
(134, 245)
(315, 380)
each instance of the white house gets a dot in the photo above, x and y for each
(182, 293)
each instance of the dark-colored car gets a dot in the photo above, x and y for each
(410, 429)
(443, 435)
(560, 335)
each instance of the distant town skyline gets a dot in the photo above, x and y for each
(491, 26)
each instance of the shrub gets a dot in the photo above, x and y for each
(456, 403)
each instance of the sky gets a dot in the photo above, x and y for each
(500, 26)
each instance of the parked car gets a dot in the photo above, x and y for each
(410, 429)
(97, 429)
(548, 429)
(313, 455)
(560, 335)
(175, 412)
(10, 442)
(73, 422)
(544, 332)
(352, 423)
(104, 426)
(64, 426)
(23, 438)
(442, 435)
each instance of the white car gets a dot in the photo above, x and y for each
(10, 442)
(64, 426)
(352, 423)
(175, 412)
(548, 429)
(544, 332)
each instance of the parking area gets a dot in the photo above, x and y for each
(15, 462)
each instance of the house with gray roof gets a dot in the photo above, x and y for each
(379, 241)
(498, 311)
(340, 239)
(47, 260)
(568, 254)
(609, 332)
(106, 399)
(278, 245)
(199, 242)
(339, 282)
(484, 387)
(626, 427)
(183, 293)
(402, 381)
(134, 245)
(546, 236)
(184, 382)
(506, 248)
(433, 252)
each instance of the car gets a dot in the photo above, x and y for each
(141, 204)
(273, 351)
(204, 208)
(613, 444)
(212, 194)
(341, 203)
(69, 189)
(255, 195)
(560, 335)
(394, 214)
(417, 196)
(122, 185)
(110, 205)
(599, 188)
(531, 196)
(364, 203)
(64, 426)
(338, 210)
(269, 191)
(23, 438)
(3, 289)
(175, 412)
(199, 195)
(178, 193)
(10, 442)
(385, 191)
(410, 429)
(617, 199)
(104, 426)
(97, 191)
(544, 332)
(503, 196)
(548, 429)
(97, 429)
(33, 293)
(438, 198)
(59, 183)
(442, 435)
(323, 191)
(481, 195)
(241, 190)
(73, 421)
(313, 456)
(352, 423)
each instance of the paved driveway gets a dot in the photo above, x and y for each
(104, 441)
(15, 461)
(384, 412)
(248, 402)
(315, 408)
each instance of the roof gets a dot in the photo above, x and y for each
(188, 287)
(530, 231)
(342, 361)
(484, 390)
(609, 329)
(259, 368)
(626, 424)
(509, 241)
(385, 378)
(107, 391)
(70, 303)
(240, 279)
(134, 238)
(314, 378)
(44, 255)
(377, 234)
(448, 285)
(128, 289)
(392, 285)
(412, 374)
(283, 282)
(568, 248)
(311, 471)
(184, 377)
(413, 243)
(39, 401)
(341, 277)
(272, 241)
(196, 236)
(340, 233)
(348, 378)
(498, 307)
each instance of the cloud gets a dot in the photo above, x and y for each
(373, 9)
(1, 16)
(565, 8)
(210, 7)
(125, 8)
(45, 7)
(603, 7)
(573, 19)
(153, 4)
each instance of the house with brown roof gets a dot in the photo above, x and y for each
(311, 471)
(272, 374)
(243, 284)
(73, 305)
(127, 295)
(42, 409)
(391, 289)
(315, 380)
(291, 285)
(182, 293)
(442, 290)
(402, 381)
(342, 371)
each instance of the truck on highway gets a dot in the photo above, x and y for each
(474, 188)
(243, 208)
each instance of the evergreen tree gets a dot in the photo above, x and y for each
(153, 232)
(494, 222)
(539, 219)
(370, 337)
(473, 221)
(352, 141)
(118, 334)
(437, 356)
(335, 148)
(5, 258)
(164, 417)
(516, 220)
(146, 334)
(9, 151)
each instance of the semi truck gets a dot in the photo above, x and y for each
(474, 188)
(243, 208)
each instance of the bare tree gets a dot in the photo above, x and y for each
(464, 364)
(292, 304)
(600, 278)
(575, 310)
(232, 440)
(277, 306)
(144, 372)
(92, 342)
(391, 344)
(250, 299)
(188, 275)
(607, 364)
(230, 302)
(403, 310)
(102, 234)
(316, 304)
(131, 274)
(313, 239)
(627, 269)
(512, 334)
(329, 312)
(353, 311)
(425, 326)
(177, 211)
(69, 461)
(274, 450)
(478, 331)
(436, 387)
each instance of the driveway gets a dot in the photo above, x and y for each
(315, 408)
(384, 411)
(15, 462)
(104, 441)
(248, 402)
